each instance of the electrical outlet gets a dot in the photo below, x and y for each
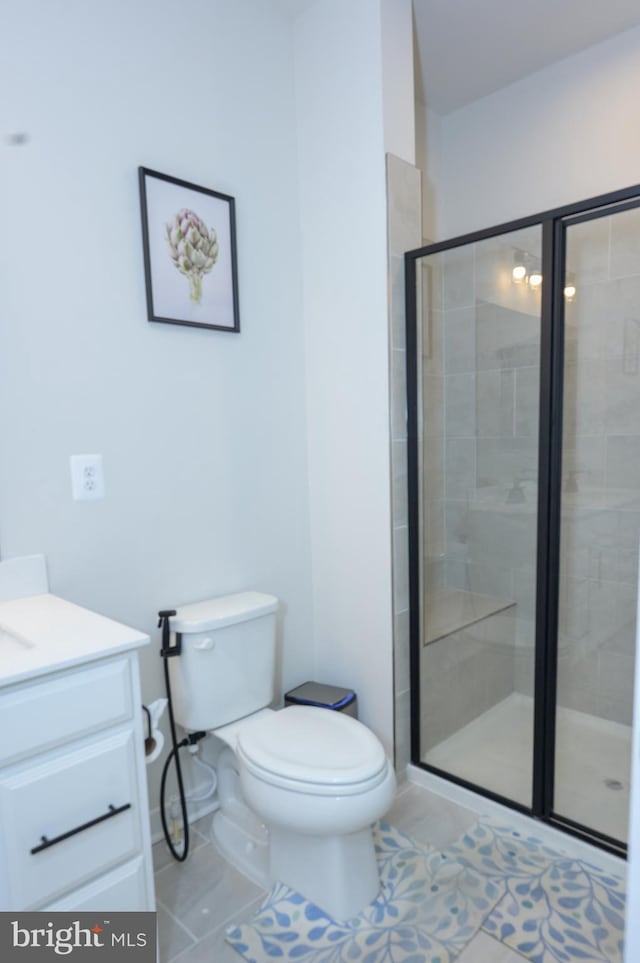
(87, 479)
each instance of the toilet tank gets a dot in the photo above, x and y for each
(227, 666)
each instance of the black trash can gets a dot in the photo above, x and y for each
(323, 696)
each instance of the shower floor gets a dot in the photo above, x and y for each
(494, 751)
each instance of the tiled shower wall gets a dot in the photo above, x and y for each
(480, 446)
(404, 233)
(491, 370)
(601, 469)
(429, 281)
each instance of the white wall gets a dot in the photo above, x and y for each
(231, 461)
(429, 162)
(202, 432)
(396, 27)
(563, 134)
(632, 917)
(342, 170)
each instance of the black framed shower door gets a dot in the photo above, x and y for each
(523, 345)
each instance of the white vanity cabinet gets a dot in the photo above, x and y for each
(74, 817)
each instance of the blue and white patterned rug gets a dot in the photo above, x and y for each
(547, 907)
(555, 909)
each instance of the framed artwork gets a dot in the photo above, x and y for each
(189, 240)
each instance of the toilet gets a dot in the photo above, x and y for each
(299, 788)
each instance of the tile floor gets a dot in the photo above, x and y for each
(197, 900)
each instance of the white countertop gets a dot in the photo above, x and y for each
(44, 633)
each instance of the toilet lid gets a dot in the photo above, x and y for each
(311, 745)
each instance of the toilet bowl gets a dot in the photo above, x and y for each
(299, 788)
(316, 780)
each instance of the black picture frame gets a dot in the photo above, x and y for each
(190, 259)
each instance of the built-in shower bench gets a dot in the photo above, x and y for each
(468, 660)
(449, 610)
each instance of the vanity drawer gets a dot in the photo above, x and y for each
(69, 818)
(122, 890)
(38, 716)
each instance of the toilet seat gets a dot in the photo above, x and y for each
(312, 750)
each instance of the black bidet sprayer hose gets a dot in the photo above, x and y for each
(166, 652)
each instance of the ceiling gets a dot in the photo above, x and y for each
(467, 49)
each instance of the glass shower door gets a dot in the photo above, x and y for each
(599, 520)
(479, 307)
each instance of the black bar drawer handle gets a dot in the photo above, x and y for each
(72, 832)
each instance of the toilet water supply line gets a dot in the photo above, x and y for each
(209, 790)
(191, 740)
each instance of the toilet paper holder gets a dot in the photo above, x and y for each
(149, 741)
(153, 740)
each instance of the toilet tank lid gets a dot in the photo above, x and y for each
(218, 612)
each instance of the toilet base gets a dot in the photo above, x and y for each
(243, 840)
(339, 874)
(334, 866)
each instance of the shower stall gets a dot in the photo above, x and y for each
(523, 368)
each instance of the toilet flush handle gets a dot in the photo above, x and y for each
(207, 643)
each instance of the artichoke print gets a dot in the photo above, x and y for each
(193, 248)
